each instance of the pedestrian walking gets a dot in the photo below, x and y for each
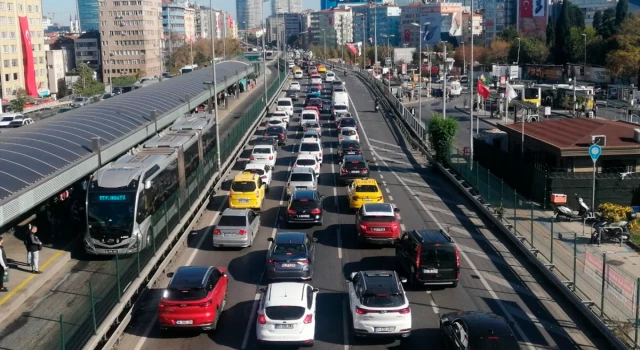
(4, 268)
(34, 246)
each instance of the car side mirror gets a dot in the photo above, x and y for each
(225, 275)
(445, 322)
(315, 239)
(170, 274)
(403, 280)
(270, 239)
(396, 210)
(263, 290)
(316, 290)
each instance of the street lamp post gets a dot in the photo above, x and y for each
(215, 89)
(444, 82)
(264, 53)
(364, 42)
(464, 59)
(375, 33)
(585, 52)
(324, 45)
(420, 69)
(473, 96)
(518, 60)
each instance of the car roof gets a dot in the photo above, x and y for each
(255, 166)
(354, 158)
(245, 177)
(303, 194)
(189, 277)
(290, 237)
(302, 170)
(380, 282)
(284, 99)
(433, 236)
(307, 156)
(350, 143)
(235, 212)
(266, 138)
(378, 209)
(310, 111)
(483, 324)
(360, 182)
(286, 293)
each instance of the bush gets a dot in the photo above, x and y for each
(614, 213)
(442, 133)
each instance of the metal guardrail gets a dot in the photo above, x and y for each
(530, 246)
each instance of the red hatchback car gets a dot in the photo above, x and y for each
(194, 299)
(377, 223)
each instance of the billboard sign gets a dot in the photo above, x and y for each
(539, 8)
(27, 56)
(441, 26)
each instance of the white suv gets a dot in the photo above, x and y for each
(287, 314)
(264, 154)
(285, 104)
(263, 170)
(378, 304)
(308, 161)
(313, 147)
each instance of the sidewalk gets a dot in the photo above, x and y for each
(24, 322)
(558, 244)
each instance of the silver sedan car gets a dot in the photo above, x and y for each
(236, 228)
(312, 127)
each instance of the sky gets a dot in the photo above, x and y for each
(64, 8)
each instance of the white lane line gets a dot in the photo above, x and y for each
(390, 198)
(387, 190)
(381, 176)
(195, 251)
(377, 141)
(470, 263)
(335, 200)
(345, 326)
(435, 308)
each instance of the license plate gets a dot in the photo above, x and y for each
(379, 229)
(284, 326)
(288, 265)
(430, 270)
(383, 329)
(367, 199)
(230, 234)
(355, 172)
(111, 251)
(301, 188)
(185, 322)
(303, 216)
(242, 200)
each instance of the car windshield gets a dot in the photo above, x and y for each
(243, 186)
(255, 171)
(382, 300)
(291, 92)
(274, 130)
(80, 99)
(443, 255)
(315, 101)
(262, 150)
(306, 162)
(314, 89)
(284, 313)
(308, 116)
(347, 122)
(367, 188)
(111, 211)
(355, 165)
(301, 177)
(290, 249)
(284, 103)
(232, 220)
(378, 218)
(309, 147)
(185, 294)
(7, 119)
(350, 145)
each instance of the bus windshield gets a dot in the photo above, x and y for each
(111, 211)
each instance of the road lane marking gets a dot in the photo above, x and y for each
(470, 263)
(345, 326)
(335, 201)
(434, 306)
(390, 197)
(377, 141)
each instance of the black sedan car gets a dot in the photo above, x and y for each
(353, 167)
(267, 140)
(476, 330)
(350, 147)
(291, 256)
(277, 131)
(347, 123)
(292, 94)
(305, 207)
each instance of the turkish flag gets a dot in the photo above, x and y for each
(482, 90)
(526, 9)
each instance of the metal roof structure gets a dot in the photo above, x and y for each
(42, 159)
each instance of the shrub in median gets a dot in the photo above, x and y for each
(442, 133)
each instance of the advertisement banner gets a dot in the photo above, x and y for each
(598, 75)
(526, 11)
(404, 68)
(441, 27)
(27, 54)
(354, 50)
(539, 8)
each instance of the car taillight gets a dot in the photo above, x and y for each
(281, 135)
(320, 155)
(308, 319)
(380, 198)
(316, 211)
(361, 311)
(405, 311)
(161, 305)
(457, 261)
(305, 261)
(242, 232)
(341, 137)
(291, 212)
(363, 227)
(344, 171)
(217, 232)
(355, 198)
(295, 165)
(263, 177)
(270, 157)
(262, 319)
(418, 252)
(271, 261)
(305, 129)
(251, 158)
(207, 304)
(364, 171)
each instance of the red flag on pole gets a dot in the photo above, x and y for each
(482, 90)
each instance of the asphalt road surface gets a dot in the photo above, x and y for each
(493, 278)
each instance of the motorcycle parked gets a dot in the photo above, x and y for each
(562, 212)
(612, 231)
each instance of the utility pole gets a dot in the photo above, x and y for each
(375, 33)
(471, 93)
(444, 82)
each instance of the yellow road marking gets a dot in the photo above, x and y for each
(26, 281)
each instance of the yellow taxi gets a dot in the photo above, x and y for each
(362, 191)
(247, 191)
(322, 69)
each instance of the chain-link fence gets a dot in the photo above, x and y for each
(115, 276)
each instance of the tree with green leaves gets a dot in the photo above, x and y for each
(63, 89)
(576, 17)
(533, 50)
(608, 24)
(622, 11)
(597, 20)
(18, 103)
(509, 34)
(86, 85)
(625, 60)
(550, 33)
(124, 80)
(560, 48)
(442, 134)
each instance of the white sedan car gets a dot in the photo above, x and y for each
(330, 77)
(378, 304)
(281, 114)
(294, 86)
(348, 134)
(287, 314)
(264, 171)
(311, 146)
(275, 121)
(308, 161)
(316, 81)
(264, 154)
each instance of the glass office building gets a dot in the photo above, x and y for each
(88, 11)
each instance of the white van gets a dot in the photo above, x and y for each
(340, 98)
(455, 88)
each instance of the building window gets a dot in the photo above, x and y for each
(5, 63)
(7, 91)
(1, 5)
(12, 35)
(20, 7)
(14, 48)
(7, 77)
(5, 48)
(9, 6)
(11, 20)
(3, 35)
(29, 8)
(15, 76)
(37, 9)
(14, 62)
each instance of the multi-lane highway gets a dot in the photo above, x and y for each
(492, 279)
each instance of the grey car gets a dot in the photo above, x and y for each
(312, 127)
(236, 228)
(80, 101)
(291, 256)
(302, 178)
(292, 94)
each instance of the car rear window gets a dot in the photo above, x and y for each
(313, 125)
(358, 165)
(284, 313)
(308, 116)
(347, 122)
(348, 132)
(306, 162)
(310, 147)
(255, 171)
(243, 186)
(269, 141)
(493, 343)
(274, 130)
(186, 294)
(231, 220)
(284, 103)
(290, 249)
(382, 300)
(340, 107)
(262, 150)
(443, 255)
(367, 188)
(301, 177)
(378, 218)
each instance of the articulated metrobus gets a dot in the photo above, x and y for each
(123, 195)
(553, 94)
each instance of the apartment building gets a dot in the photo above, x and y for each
(131, 34)
(284, 26)
(55, 68)
(22, 51)
(331, 27)
(286, 6)
(472, 24)
(179, 20)
(87, 50)
(89, 16)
